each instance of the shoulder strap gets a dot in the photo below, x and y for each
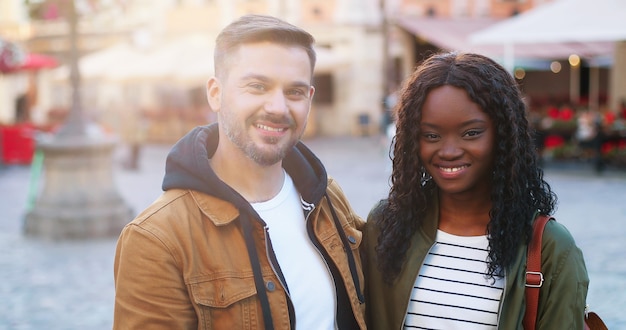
(534, 277)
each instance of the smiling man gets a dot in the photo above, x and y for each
(250, 232)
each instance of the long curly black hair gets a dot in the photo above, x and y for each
(519, 189)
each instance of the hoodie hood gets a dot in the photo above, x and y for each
(187, 167)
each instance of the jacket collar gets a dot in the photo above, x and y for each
(187, 167)
(219, 211)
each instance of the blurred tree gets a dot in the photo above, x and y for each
(71, 11)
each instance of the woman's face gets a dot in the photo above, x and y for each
(457, 143)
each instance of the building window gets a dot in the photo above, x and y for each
(323, 89)
(317, 12)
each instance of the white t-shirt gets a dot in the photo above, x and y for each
(452, 290)
(308, 278)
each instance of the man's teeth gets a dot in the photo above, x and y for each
(452, 169)
(268, 128)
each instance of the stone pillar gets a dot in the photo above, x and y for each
(617, 92)
(79, 199)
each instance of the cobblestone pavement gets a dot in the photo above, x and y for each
(69, 285)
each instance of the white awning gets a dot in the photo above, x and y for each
(562, 21)
(190, 55)
(592, 24)
(456, 34)
(98, 64)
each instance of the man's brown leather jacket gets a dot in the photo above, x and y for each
(183, 262)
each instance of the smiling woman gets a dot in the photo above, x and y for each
(447, 248)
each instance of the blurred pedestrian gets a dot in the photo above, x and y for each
(447, 248)
(387, 120)
(136, 126)
(389, 105)
(249, 232)
(589, 135)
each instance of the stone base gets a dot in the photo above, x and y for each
(79, 199)
(77, 222)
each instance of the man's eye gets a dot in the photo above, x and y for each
(259, 87)
(295, 92)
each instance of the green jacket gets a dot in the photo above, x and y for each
(562, 296)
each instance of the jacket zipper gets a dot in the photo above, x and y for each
(271, 262)
(267, 254)
(309, 208)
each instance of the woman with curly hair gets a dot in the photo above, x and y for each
(447, 248)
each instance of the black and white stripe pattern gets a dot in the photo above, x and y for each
(452, 290)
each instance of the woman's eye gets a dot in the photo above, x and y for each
(430, 136)
(472, 133)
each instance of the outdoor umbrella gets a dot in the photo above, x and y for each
(35, 61)
(14, 59)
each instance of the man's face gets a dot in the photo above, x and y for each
(263, 100)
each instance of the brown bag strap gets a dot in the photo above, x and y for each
(594, 322)
(534, 281)
(534, 277)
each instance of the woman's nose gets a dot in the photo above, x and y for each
(450, 149)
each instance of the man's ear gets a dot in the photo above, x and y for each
(214, 94)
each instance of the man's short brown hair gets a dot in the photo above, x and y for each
(257, 28)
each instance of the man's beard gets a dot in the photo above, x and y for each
(262, 156)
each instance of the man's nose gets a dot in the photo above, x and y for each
(276, 102)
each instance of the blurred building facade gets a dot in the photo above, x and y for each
(366, 49)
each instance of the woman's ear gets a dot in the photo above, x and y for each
(214, 94)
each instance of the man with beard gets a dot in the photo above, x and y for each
(249, 232)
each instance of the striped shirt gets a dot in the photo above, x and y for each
(452, 290)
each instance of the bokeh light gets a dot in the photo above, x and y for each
(574, 60)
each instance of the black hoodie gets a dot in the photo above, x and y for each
(187, 167)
